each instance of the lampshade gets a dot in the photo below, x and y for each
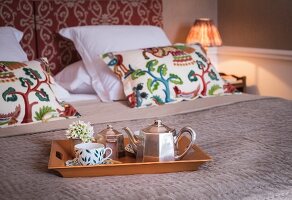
(205, 32)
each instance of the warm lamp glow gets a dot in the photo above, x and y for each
(205, 32)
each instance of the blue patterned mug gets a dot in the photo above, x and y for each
(91, 153)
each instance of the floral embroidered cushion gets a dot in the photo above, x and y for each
(26, 94)
(155, 76)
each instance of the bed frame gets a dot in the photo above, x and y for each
(40, 20)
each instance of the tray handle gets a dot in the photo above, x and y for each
(58, 155)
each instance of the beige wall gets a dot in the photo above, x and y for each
(264, 24)
(268, 72)
(256, 23)
(179, 16)
(246, 23)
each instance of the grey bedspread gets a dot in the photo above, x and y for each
(250, 143)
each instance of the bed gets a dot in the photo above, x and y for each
(248, 136)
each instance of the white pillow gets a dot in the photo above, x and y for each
(10, 49)
(60, 92)
(92, 41)
(75, 79)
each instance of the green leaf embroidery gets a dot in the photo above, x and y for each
(213, 89)
(34, 74)
(162, 69)
(149, 82)
(201, 56)
(43, 111)
(150, 65)
(213, 75)
(152, 86)
(137, 73)
(155, 86)
(9, 97)
(175, 79)
(43, 96)
(180, 46)
(200, 64)
(25, 81)
(192, 76)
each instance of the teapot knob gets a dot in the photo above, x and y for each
(109, 126)
(158, 122)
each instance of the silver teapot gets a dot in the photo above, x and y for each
(158, 143)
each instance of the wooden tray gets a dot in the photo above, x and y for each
(61, 151)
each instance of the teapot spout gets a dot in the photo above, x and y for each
(133, 141)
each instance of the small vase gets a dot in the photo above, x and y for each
(73, 142)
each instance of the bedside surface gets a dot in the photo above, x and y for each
(238, 82)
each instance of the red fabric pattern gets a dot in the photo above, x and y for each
(51, 16)
(54, 15)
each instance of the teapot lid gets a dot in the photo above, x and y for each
(109, 131)
(158, 127)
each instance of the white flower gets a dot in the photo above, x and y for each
(80, 130)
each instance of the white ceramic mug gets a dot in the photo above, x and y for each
(91, 153)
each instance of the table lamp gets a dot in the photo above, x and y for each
(205, 32)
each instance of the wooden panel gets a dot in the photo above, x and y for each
(260, 23)
(179, 16)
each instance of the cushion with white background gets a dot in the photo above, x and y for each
(160, 75)
(27, 95)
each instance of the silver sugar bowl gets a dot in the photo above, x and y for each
(113, 139)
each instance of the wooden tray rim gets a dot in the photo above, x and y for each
(209, 158)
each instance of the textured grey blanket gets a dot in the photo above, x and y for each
(250, 142)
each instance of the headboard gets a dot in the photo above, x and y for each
(40, 20)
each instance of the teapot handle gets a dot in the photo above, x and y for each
(192, 133)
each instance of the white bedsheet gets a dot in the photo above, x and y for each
(80, 97)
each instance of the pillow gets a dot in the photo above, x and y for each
(92, 41)
(75, 79)
(10, 49)
(26, 94)
(155, 76)
(17, 33)
(60, 92)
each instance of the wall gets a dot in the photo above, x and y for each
(256, 23)
(264, 29)
(268, 72)
(179, 16)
